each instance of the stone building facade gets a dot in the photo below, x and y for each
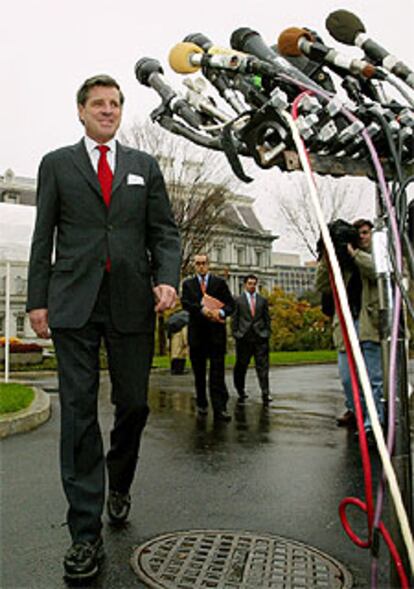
(240, 247)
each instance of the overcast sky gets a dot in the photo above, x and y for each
(48, 48)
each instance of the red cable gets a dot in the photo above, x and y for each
(368, 506)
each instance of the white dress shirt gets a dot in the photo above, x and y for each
(94, 154)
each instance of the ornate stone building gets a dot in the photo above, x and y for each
(240, 247)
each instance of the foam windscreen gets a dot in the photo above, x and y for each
(179, 58)
(288, 41)
(344, 26)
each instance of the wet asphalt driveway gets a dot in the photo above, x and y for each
(280, 470)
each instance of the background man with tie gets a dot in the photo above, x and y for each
(207, 336)
(102, 208)
(251, 329)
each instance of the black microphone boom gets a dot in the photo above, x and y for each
(249, 41)
(149, 72)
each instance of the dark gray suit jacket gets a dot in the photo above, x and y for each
(137, 232)
(242, 319)
(201, 331)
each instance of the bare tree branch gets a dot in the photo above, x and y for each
(336, 198)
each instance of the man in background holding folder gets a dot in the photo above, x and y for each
(209, 301)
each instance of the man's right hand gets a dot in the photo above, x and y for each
(39, 322)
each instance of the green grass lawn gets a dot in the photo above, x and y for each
(14, 397)
(276, 359)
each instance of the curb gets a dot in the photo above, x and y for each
(27, 419)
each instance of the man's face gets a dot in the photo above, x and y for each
(201, 265)
(364, 236)
(250, 285)
(101, 113)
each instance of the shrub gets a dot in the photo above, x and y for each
(17, 345)
(296, 324)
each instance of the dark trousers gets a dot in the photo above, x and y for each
(199, 355)
(246, 347)
(81, 447)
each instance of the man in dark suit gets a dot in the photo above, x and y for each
(103, 210)
(251, 329)
(207, 335)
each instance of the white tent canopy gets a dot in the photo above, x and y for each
(16, 228)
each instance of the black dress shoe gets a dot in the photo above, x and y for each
(118, 506)
(82, 560)
(348, 419)
(222, 416)
(202, 411)
(266, 399)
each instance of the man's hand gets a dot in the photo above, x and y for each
(39, 322)
(212, 315)
(216, 316)
(351, 250)
(166, 296)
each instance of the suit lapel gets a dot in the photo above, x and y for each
(82, 161)
(121, 166)
(246, 305)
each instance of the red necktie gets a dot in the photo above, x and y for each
(105, 177)
(252, 305)
(203, 284)
(105, 174)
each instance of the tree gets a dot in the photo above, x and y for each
(340, 198)
(199, 184)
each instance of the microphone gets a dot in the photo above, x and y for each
(347, 28)
(200, 102)
(187, 58)
(249, 41)
(294, 41)
(149, 72)
(223, 84)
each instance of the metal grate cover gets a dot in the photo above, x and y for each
(229, 560)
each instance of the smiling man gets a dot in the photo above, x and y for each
(103, 210)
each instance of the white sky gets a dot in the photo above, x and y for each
(48, 48)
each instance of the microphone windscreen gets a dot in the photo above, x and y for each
(145, 67)
(344, 26)
(239, 36)
(288, 41)
(199, 39)
(179, 58)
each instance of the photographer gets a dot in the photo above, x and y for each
(353, 247)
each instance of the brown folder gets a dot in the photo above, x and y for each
(211, 303)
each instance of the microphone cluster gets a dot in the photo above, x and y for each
(336, 100)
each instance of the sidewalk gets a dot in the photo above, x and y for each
(280, 471)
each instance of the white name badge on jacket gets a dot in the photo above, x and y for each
(135, 179)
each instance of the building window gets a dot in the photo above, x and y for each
(11, 197)
(20, 285)
(20, 324)
(259, 258)
(2, 325)
(241, 256)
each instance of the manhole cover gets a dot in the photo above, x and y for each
(226, 560)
